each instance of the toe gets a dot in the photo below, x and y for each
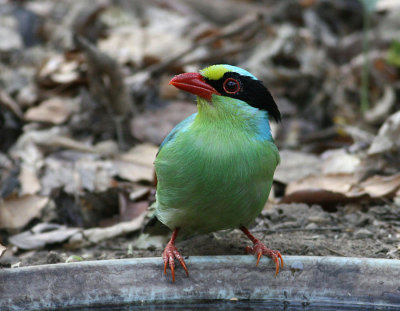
(281, 259)
(169, 255)
(165, 266)
(258, 258)
(276, 260)
(172, 267)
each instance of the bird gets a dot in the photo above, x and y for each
(215, 169)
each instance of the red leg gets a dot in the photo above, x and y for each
(260, 249)
(169, 255)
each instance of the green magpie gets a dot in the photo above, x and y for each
(214, 170)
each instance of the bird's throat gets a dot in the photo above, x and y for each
(232, 115)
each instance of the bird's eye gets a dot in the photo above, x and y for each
(231, 86)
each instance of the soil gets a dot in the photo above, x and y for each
(293, 229)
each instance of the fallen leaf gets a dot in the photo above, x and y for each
(53, 110)
(312, 185)
(137, 164)
(96, 235)
(130, 210)
(41, 235)
(144, 154)
(60, 69)
(95, 176)
(339, 161)
(295, 165)
(381, 186)
(134, 172)
(77, 176)
(15, 213)
(29, 181)
(146, 241)
(154, 125)
(388, 136)
(340, 187)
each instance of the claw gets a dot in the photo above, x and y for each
(281, 259)
(258, 258)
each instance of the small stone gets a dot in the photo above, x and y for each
(311, 226)
(363, 233)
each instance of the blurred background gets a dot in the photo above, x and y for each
(85, 103)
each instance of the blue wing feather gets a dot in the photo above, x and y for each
(180, 127)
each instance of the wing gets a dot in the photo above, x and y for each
(180, 127)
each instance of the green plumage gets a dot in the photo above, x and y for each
(215, 169)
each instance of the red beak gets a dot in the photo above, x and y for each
(194, 83)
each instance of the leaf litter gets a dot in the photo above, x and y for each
(85, 102)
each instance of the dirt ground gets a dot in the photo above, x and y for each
(293, 229)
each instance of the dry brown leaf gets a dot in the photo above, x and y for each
(96, 235)
(42, 234)
(339, 162)
(15, 213)
(134, 43)
(137, 164)
(94, 176)
(129, 210)
(134, 172)
(381, 186)
(59, 69)
(154, 125)
(295, 165)
(29, 181)
(53, 110)
(340, 187)
(75, 177)
(319, 189)
(143, 154)
(339, 183)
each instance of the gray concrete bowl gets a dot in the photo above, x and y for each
(215, 283)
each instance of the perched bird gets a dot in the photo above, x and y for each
(215, 169)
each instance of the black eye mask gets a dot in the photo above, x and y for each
(247, 89)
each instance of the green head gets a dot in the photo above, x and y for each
(228, 81)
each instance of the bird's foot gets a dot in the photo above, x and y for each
(260, 249)
(169, 255)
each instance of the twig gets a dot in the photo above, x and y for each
(107, 84)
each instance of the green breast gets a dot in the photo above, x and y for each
(213, 176)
